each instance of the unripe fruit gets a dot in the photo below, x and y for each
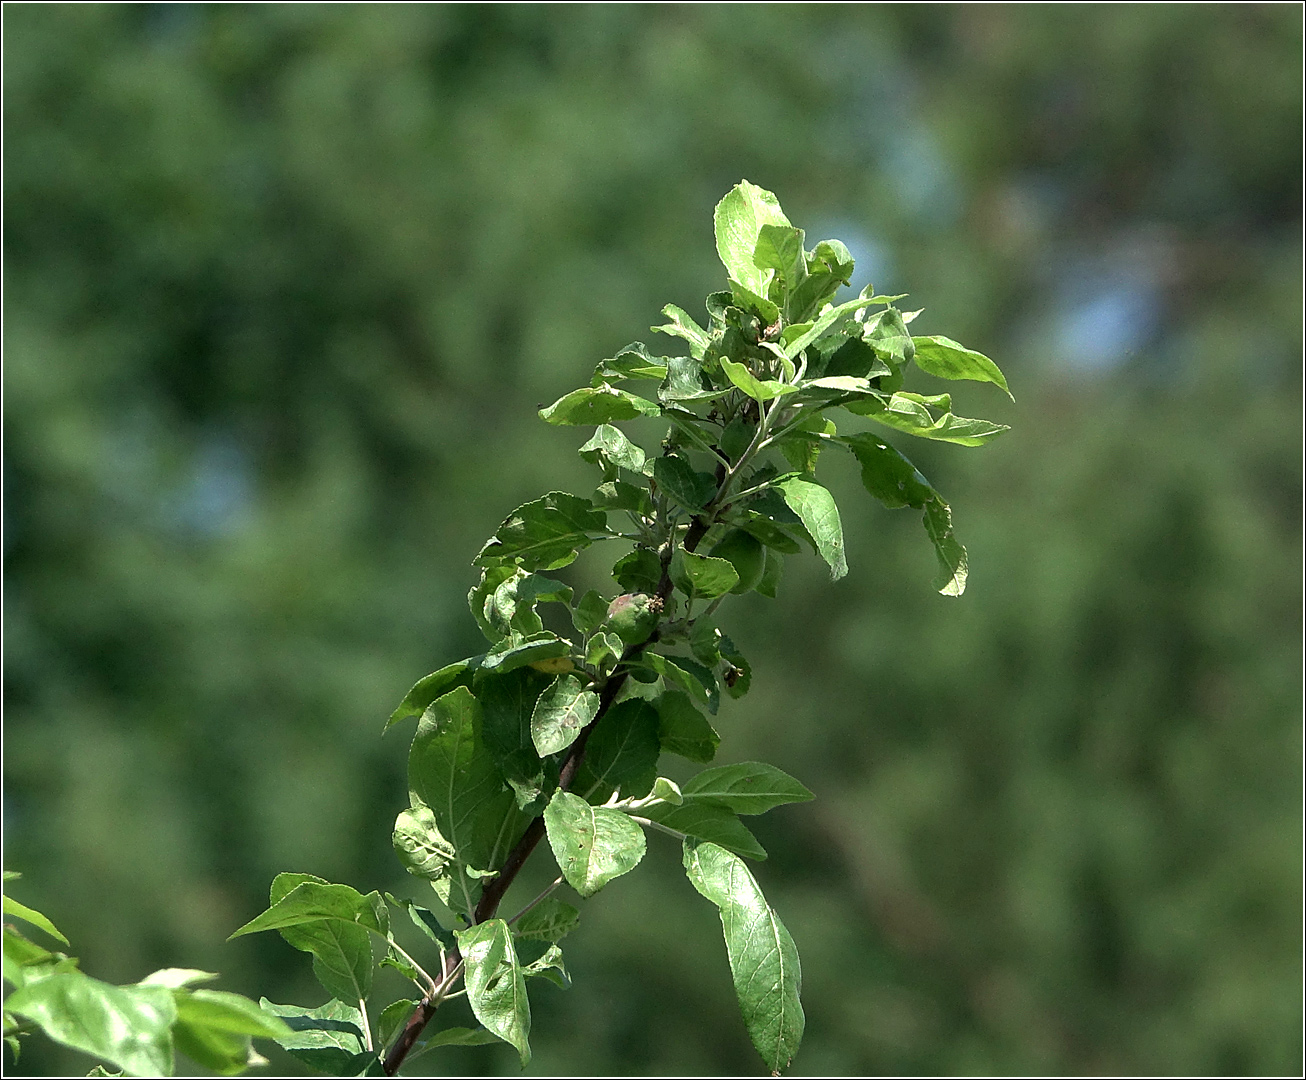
(745, 553)
(632, 617)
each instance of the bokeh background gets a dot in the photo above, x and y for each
(284, 286)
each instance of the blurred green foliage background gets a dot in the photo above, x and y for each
(284, 286)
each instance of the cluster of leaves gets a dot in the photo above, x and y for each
(558, 730)
(136, 1028)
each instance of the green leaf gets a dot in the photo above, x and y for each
(888, 475)
(831, 319)
(816, 508)
(507, 703)
(638, 571)
(830, 266)
(510, 608)
(478, 600)
(739, 673)
(886, 333)
(775, 564)
(682, 326)
(214, 1029)
(621, 754)
(610, 445)
(589, 612)
(419, 845)
(454, 1036)
(598, 405)
(750, 787)
(302, 899)
(683, 730)
(687, 674)
(332, 923)
(432, 686)
(544, 534)
(392, 1019)
(689, 488)
(947, 359)
(780, 248)
(802, 447)
(633, 362)
(550, 965)
(452, 771)
(763, 957)
(496, 989)
(702, 575)
(749, 300)
(550, 920)
(685, 382)
(592, 844)
(619, 495)
(514, 652)
(560, 714)
(770, 534)
(738, 220)
(953, 567)
(127, 1026)
(328, 1039)
(909, 413)
(707, 821)
(13, 907)
(178, 978)
(25, 961)
(893, 480)
(762, 390)
(425, 920)
(603, 651)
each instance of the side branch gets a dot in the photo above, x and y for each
(493, 893)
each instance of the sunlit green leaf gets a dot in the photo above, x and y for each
(544, 534)
(953, 568)
(738, 220)
(910, 413)
(421, 848)
(947, 359)
(707, 821)
(762, 390)
(632, 362)
(816, 508)
(550, 967)
(592, 844)
(432, 686)
(749, 787)
(598, 405)
(22, 911)
(780, 248)
(689, 488)
(622, 753)
(550, 920)
(127, 1026)
(887, 334)
(496, 989)
(702, 575)
(452, 771)
(610, 444)
(515, 652)
(682, 326)
(560, 714)
(214, 1029)
(763, 957)
(328, 1038)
